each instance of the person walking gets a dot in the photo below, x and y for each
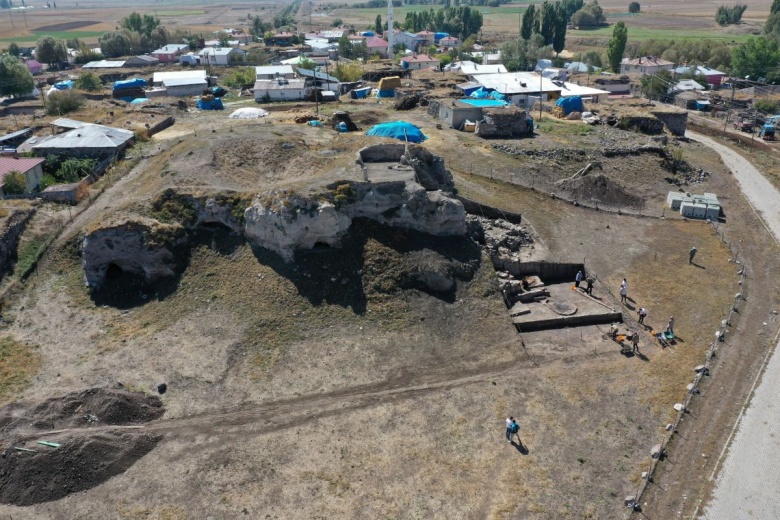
(670, 326)
(635, 342)
(510, 422)
(589, 289)
(514, 429)
(578, 279)
(624, 291)
(691, 254)
(642, 312)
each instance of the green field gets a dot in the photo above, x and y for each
(57, 35)
(647, 33)
(183, 12)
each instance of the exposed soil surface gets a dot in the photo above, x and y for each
(79, 463)
(602, 190)
(86, 457)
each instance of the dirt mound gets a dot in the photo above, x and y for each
(79, 463)
(92, 406)
(598, 189)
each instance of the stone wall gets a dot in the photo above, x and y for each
(675, 122)
(503, 123)
(9, 241)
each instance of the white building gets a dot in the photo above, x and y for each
(520, 88)
(222, 55)
(593, 95)
(275, 72)
(280, 90)
(704, 206)
(646, 65)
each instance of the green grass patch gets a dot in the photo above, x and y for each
(648, 33)
(18, 363)
(29, 255)
(57, 35)
(183, 12)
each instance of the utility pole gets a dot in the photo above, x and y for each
(390, 34)
(728, 110)
(541, 75)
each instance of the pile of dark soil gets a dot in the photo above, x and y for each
(92, 406)
(85, 457)
(599, 189)
(80, 463)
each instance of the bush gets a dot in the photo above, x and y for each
(73, 170)
(634, 7)
(14, 183)
(60, 103)
(239, 77)
(46, 181)
(89, 81)
(767, 106)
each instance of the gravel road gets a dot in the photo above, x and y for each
(748, 483)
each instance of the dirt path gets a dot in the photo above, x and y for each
(684, 481)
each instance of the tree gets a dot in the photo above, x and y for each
(257, 56)
(345, 47)
(634, 7)
(307, 63)
(590, 15)
(73, 43)
(767, 106)
(755, 57)
(17, 80)
(559, 34)
(592, 59)
(240, 77)
(50, 51)
(348, 72)
(547, 26)
(617, 45)
(61, 103)
(729, 15)
(14, 50)
(89, 81)
(513, 55)
(378, 24)
(14, 183)
(338, 22)
(655, 86)
(117, 43)
(258, 27)
(145, 24)
(527, 26)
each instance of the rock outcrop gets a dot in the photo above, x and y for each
(428, 168)
(284, 223)
(142, 247)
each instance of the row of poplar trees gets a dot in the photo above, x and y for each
(550, 21)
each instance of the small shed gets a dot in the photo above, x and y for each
(141, 61)
(281, 89)
(456, 113)
(34, 66)
(180, 87)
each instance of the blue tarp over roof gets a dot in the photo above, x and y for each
(570, 104)
(64, 85)
(215, 104)
(129, 83)
(398, 130)
(481, 93)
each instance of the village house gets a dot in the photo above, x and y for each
(274, 72)
(377, 45)
(426, 38)
(141, 61)
(419, 61)
(179, 83)
(280, 90)
(31, 168)
(170, 53)
(86, 141)
(645, 65)
(409, 40)
(319, 79)
(520, 88)
(34, 66)
(222, 55)
(280, 39)
(711, 76)
(449, 42)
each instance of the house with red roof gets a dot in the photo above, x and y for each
(377, 45)
(34, 66)
(419, 61)
(449, 42)
(31, 168)
(426, 38)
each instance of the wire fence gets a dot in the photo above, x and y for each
(702, 371)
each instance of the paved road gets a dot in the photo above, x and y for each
(748, 486)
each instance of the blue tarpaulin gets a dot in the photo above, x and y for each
(570, 104)
(139, 101)
(439, 35)
(64, 85)
(385, 93)
(129, 83)
(481, 93)
(497, 96)
(398, 130)
(215, 104)
(360, 93)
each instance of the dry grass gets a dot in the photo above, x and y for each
(18, 364)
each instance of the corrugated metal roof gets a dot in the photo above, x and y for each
(177, 82)
(272, 70)
(64, 122)
(317, 75)
(104, 64)
(272, 84)
(517, 83)
(14, 135)
(224, 51)
(159, 77)
(14, 164)
(88, 136)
